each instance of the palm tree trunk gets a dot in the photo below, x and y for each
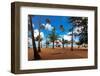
(53, 45)
(39, 42)
(72, 41)
(39, 37)
(63, 42)
(63, 45)
(78, 46)
(46, 43)
(36, 55)
(46, 39)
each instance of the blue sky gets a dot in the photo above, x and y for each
(55, 21)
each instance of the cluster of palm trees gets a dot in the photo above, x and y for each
(52, 36)
(83, 35)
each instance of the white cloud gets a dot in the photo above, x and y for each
(76, 40)
(48, 27)
(67, 37)
(69, 33)
(78, 30)
(36, 33)
(42, 34)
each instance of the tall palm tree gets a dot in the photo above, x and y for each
(84, 34)
(80, 22)
(39, 50)
(40, 28)
(75, 22)
(36, 55)
(63, 30)
(53, 36)
(47, 22)
(72, 39)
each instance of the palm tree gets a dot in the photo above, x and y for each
(84, 34)
(39, 39)
(47, 22)
(72, 37)
(39, 50)
(53, 36)
(63, 30)
(75, 22)
(80, 22)
(36, 55)
(66, 42)
(47, 43)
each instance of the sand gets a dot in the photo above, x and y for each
(59, 53)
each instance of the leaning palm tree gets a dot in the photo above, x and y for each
(36, 55)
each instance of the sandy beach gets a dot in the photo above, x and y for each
(59, 53)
